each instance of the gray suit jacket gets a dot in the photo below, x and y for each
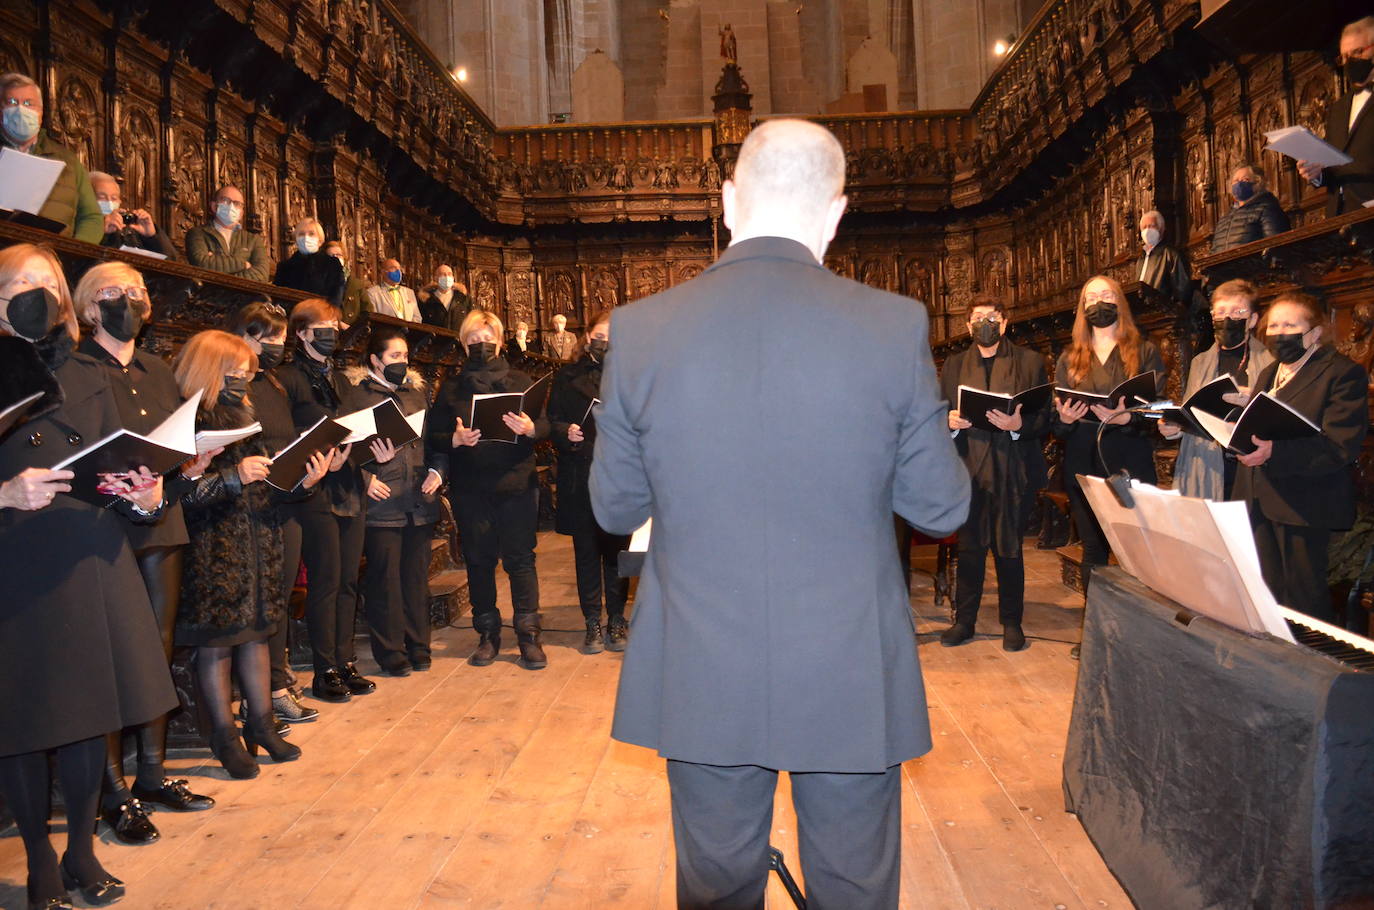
(771, 416)
(1201, 469)
(379, 300)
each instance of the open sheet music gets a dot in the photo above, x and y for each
(123, 451)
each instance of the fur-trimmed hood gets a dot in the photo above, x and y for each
(355, 375)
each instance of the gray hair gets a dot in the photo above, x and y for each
(16, 80)
(1158, 216)
(1363, 26)
(101, 175)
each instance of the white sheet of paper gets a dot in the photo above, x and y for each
(417, 423)
(26, 181)
(1302, 144)
(179, 430)
(213, 439)
(1221, 430)
(639, 540)
(360, 425)
(151, 254)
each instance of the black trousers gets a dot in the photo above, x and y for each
(332, 547)
(1095, 548)
(596, 557)
(291, 563)
(1293, 561)
(397, 601)
(498, 527)
(849, 836)
(968, 586)
(161, 571)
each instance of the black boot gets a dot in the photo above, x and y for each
(617, 632)
(488, 627)
(261, 731)
(229, 751)
(527, 629)
(591, 642)
(1013, 639)
(957, 634)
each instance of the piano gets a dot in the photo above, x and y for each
(1355, 651)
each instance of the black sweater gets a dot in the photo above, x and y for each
(496, 467)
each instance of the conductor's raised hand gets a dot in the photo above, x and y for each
(1071, 410)
(382, 450)
(340, 457)
(957, 422)
(1264, 450)
(254, 468)
(1118, 414)
(1010, 423)
(316, 468)
(34, 489)
(520, 424)
(575, 433)
(462, 436)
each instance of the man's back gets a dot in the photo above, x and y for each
(771, 416)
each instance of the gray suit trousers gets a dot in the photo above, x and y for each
(848, 827)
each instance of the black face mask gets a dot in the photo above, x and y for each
(1286, 348)
(1357, 70)
(31, 313)
(395, 373)
(597, 348)
(1230, 332)
(987, 333)
(234, 391)
(324, 341)
(271, 355)
(120, 319)
(1101, 315)
(481, 352)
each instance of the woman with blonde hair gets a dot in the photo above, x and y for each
(232, 596)
(1106, 349)
(112, 300)
(494, 493)
(77, 634)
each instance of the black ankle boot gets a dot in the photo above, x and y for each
(617, 633)
(591, 642)
(527, 629)
(262, 732)
(1013, 639)
(488, 626)
(957, 634)
(229, 751)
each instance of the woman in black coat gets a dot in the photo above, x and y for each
(596, 553)
(232, 595)
(332, 521)
(80, 653)
(309, 269)
(401, 512)
(263, 327)
(1106, 350)
(1300, 490)
(493, 490)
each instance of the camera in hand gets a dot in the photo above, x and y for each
(130, 218)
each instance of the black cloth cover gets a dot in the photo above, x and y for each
(1213, 769)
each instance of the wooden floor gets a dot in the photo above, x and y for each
(500, 787)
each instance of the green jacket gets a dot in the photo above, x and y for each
(354, 300)
(245, 257)
(72, 201)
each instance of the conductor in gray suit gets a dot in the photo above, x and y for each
(770, 416)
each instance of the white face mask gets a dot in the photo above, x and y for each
(228, 214)
(308, 244)
(445, 282)
(107, 206)
(1150, 236)
(21, 123)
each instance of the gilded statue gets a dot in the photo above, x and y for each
(729, 50)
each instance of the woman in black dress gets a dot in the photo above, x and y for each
(596, 554)
(80, 653)
(1300, 490)
(493, 490)
(401, 512)
(332, 521)
(232, 596)
(1106, 350)
(263, 327)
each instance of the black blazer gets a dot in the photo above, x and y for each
(1166, 270)
(1350, 185)
(315, 273)
(315, 393)
(1308, 482)
(574, 388)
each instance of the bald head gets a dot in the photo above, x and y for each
(788, 182)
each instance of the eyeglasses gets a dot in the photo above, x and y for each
(1105, 297)
(136, 293)
(274, 309)
(990, 317)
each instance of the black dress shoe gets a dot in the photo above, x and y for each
(51, 903)
(130, 824)
(356, 682)
(1075, 651)
(174, 795)
(398, 667)
(1013, 639)
(956, 635)
(329, 686)
(99, 893)
(421, 662)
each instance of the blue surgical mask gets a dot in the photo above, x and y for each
(228, 214)
(307, 244)
(21, 123)
(394, 276)
(107, 206)
(445, 282)
(1242, 190)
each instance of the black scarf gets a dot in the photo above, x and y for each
(486, 378)
(321, 381)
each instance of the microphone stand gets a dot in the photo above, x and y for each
(1120, 482)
